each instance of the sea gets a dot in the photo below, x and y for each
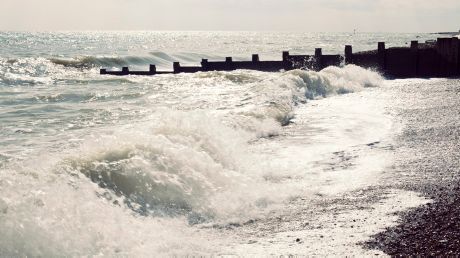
(238, 163)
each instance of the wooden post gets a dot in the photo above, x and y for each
(176, 67)
(153, 69)
(229, 64)
(348, 54)
(318, 59)
(439, 60)
(443, 47)
(285, 55)
(456, 55)
(255, 58)
(204, 64)
(287, 64)
(414, 52)
(381, 56)
(125, 70)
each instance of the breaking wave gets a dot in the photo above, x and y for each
(41, 70)
(276, 98)
(151, 179)
(160, 59)
(109, 62)
(336, 80)
(177, 167)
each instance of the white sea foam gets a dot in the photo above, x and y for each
(138, 166)
(197, 165)
(335, 80)
(143, 176)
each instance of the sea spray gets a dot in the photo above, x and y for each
(275, 98)
(139, 166)
(173, 166)
(335, 80)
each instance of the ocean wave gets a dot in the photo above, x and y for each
(238, 76)
(179, 167)
(169, 170)
(23, 79)
(86, 62)
(183, 163)
(336, 80)
(25, 71)
(142, 61)
(274, 99)
(42, 212)
(85, 69)
(42, 71)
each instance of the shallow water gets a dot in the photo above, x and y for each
(181, 164)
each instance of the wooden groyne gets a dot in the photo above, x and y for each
(440, 58)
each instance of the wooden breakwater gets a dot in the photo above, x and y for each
(440, 58)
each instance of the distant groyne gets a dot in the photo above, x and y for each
(440, 58)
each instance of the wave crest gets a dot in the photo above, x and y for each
(276, 97)
(181, 166)
(336, 80)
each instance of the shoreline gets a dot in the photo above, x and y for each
(352, 201)
(413, 210)
(429, 164)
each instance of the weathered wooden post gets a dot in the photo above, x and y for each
(286, 62)
(229, 63)
(381, 56)
(414, 53)
(348, 54)
(204, 64)
(285, 55)
(318, 59)
(439, 61)
(103, 71)
(255, 58)
(152, 69)
(125, 71)
(443, 47)
(456, 55)
(176, 67)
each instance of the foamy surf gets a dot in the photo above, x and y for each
(193, 167)
(178, 164)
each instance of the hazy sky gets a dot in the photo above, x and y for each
(291, 15)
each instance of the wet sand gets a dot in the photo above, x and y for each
(427, 161)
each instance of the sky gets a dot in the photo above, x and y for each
(253, 15)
